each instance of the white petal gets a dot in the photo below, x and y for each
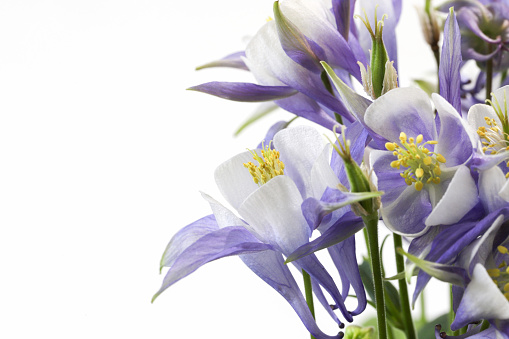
(478, 112)
(491, 182)
(260, 53)
(233, 179)
(459, 198)
(404, 109)
(501, 96)
(504, 191)
(322, 175)
(224, 217)
(274, 212)
(300, 147)
(406, 214)
(482, 300)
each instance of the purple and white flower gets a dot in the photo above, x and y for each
(268, 199)
(423, 170)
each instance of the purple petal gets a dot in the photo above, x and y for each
(233, 60)
(299, 48)
(450, 62)
(469, 18)
(389, 178)
(339, 231)
(270, 268)
(303, 106)
(343, 256)
(454, 142)
(407, 214)
(214, 245)
(245, 92)
(342, 10)
(186, 237)
(317, 290)
(333, 45)
(316, 270)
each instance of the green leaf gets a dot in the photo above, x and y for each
(262, 111)
(392, 303)
(427, 330)
(426, 86)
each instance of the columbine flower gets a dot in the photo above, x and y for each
(336, 221)
(471, 254)
(485, 31)
(284, 57)
(267, 194)
(491, 123)
(422, 171)
(480, 278)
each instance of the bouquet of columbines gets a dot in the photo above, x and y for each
(431, 167)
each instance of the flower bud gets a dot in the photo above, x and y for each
(357, 178)
(356, 332)
(380, 76)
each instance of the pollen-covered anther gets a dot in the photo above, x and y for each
(269, 165)
(423, 165)
(500, 275)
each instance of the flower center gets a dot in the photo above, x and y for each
(500, 275)
(493, 138)
(423, 165)
(269, 165)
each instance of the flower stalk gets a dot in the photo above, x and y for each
(403, 291)
(368, 210)
(309, 294)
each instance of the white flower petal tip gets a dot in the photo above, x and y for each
(482, 300)
(459, 198)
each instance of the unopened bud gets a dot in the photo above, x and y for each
(379, 76)
(356, 332)
(357, 178)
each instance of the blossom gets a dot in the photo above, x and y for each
(485, 31)
(285, 54)
(491, 124)
(423, 170)
(268, 198)
(472, 255)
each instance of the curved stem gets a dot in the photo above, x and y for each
(309, 294)
(371, 222)
(403, 291)
(489, 75)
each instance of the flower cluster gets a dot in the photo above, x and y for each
(432, 168)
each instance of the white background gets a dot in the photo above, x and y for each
(102, 156)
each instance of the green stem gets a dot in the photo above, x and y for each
(365, 232)
(485, 324)
(371, 222)
(423, 308)
(489, 75)
(451, 312)
(309, 294)
(403, 291)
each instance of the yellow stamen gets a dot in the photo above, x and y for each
(419, 185)
(494, 272)
(423, 165)
(269, 166)
(390, 146)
